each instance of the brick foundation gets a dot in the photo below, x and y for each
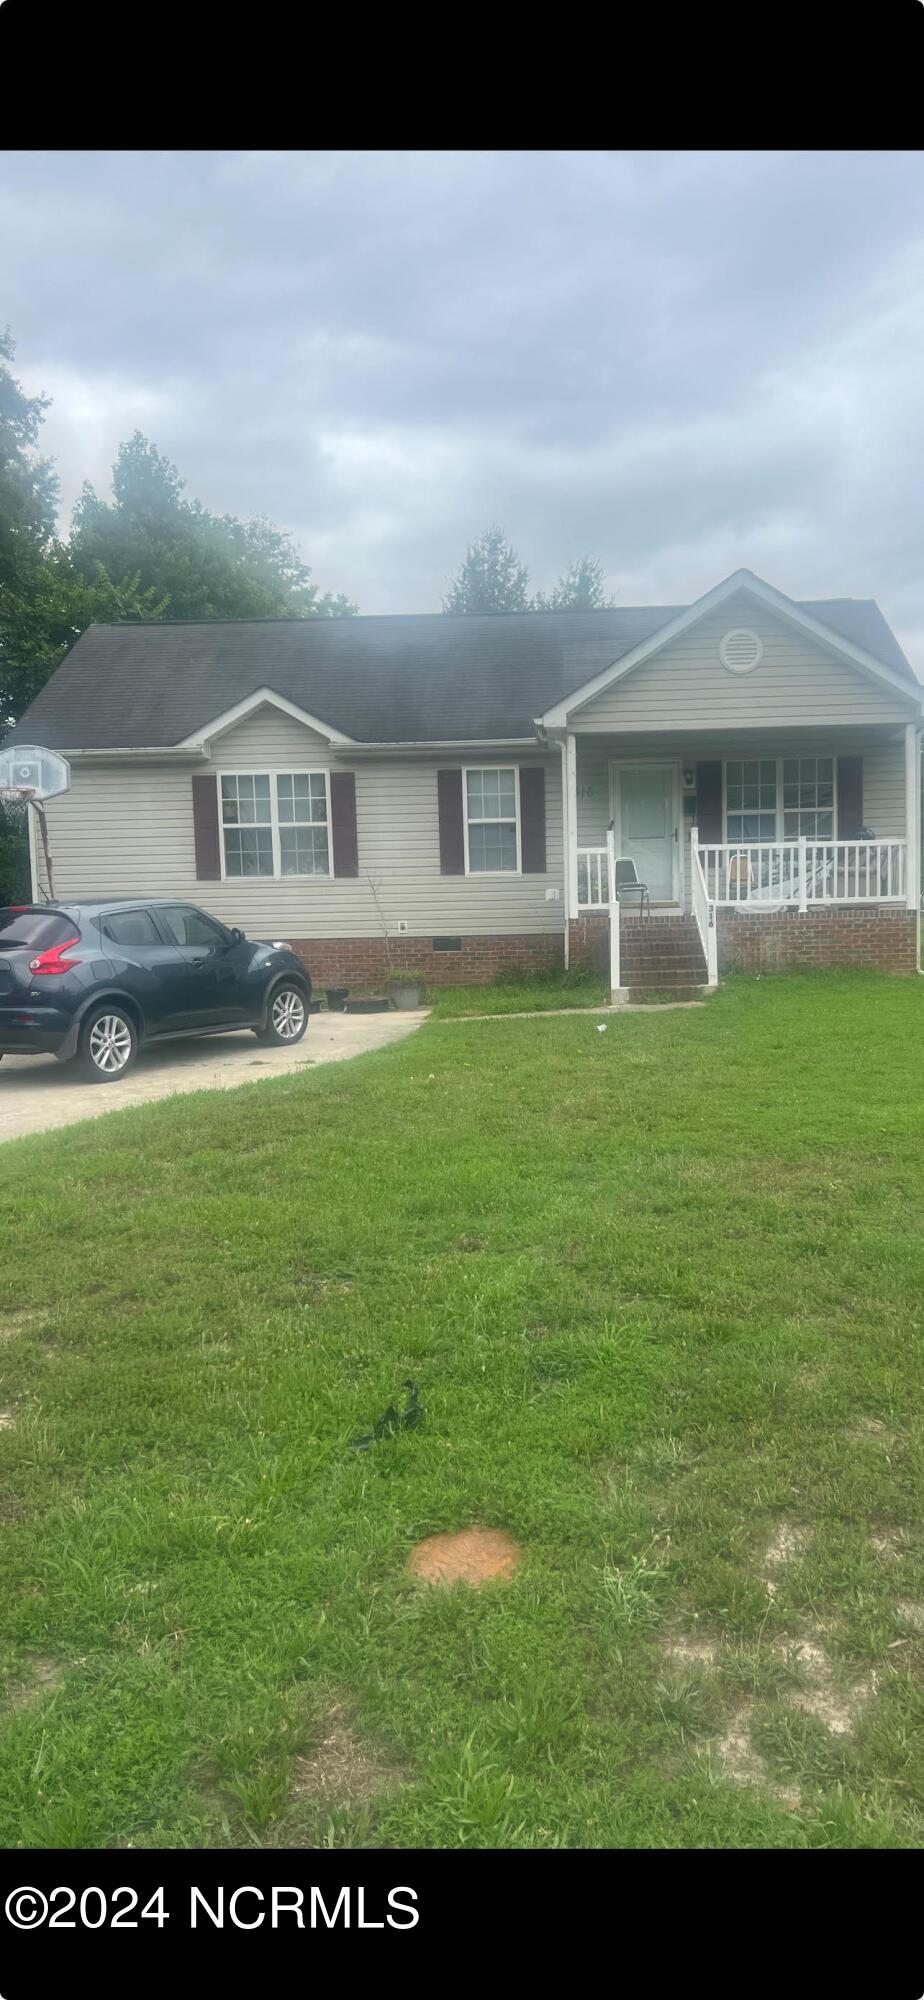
(879, 939)
(876, 939)
(364, 962)
(589, 943)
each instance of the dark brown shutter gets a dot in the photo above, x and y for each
(343, 822)
(205, 828)
(452, 837)
(709, 801)
(532, 818)
(849, 796)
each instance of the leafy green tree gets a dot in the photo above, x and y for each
(207, 565)
(44, 603)
(492, 578)
(579, 588)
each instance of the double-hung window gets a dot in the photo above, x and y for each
(808, 798)
(247, 823)
(750, 798)
(779, 798)
(492, 821)
(275, 823)
(301, 798)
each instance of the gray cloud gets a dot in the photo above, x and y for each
(679, 362)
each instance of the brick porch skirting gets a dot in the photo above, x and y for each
(590, 942)
(881, 940)
(364, 961)
(877, 939)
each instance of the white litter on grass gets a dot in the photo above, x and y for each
(602, 1027)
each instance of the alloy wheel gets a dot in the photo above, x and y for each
(110, 1043)
(288, 1014)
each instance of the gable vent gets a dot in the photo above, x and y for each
(740, 651)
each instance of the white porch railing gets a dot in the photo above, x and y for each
(593, 889)
(704, 911)
(770, 874)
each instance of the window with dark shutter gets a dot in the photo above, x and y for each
(709, 801)
(532, 819)
(849, 796)
(452, 834)
(205, 828)
(343, 823)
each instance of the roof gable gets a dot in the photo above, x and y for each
(735, 592)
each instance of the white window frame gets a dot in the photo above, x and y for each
(493, 874)
(273, 773)
(779, 838)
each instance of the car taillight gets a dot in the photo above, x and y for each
(49, 963)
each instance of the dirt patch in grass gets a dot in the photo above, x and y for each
(787, 1544)
(686, 1649)
(342, 1768)
(836, 1707)
(890, 1543)
(7, 1420)
(474, 1555)
(13, 1323)
(40, 1677)
(871, 1428)
(911, 1614)
(742, 1764)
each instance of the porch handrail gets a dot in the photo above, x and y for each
(772, 874)
(704, 911)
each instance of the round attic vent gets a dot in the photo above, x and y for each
(740, 651)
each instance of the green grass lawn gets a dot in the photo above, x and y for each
(521, 996)
(662, 1289)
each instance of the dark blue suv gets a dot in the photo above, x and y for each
(96, 980)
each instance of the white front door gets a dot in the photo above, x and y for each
(645, 825)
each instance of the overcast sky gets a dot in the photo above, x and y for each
(676, 362)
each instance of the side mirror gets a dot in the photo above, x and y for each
(237, 937)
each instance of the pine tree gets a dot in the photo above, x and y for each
(492, 578)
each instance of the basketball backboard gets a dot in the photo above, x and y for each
(26, 767)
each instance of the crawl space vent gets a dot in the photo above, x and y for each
(740, 651)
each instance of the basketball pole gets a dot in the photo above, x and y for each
(30, 799)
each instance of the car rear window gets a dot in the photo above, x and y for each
(36, 928)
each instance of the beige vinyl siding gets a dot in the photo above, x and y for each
(883, 774)
(796, 683)
(127, 829)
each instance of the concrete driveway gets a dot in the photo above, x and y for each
(38, 1093)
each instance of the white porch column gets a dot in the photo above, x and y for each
(571, 775)
(566, 863)
(912, 818)
(614, 915)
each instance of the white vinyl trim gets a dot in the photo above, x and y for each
(493, 874)
(264, 695)
(283, 771)
(742, 579)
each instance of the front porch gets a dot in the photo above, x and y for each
(758, 857)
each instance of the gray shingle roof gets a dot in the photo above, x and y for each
(394, 679)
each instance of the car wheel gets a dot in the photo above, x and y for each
(287, 1018)
(108, 1044)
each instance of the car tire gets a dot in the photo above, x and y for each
(287, 1016)
(108, 1044)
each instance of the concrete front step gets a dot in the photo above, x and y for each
(635, 996)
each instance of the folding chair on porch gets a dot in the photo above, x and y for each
(627, 885)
